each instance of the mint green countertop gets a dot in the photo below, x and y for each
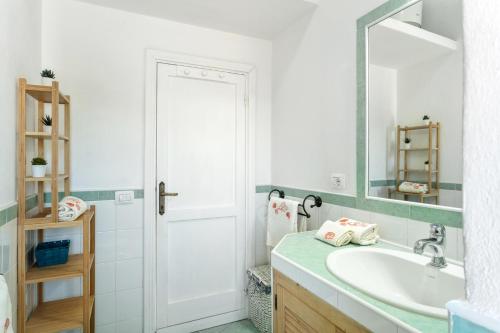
(310, 254)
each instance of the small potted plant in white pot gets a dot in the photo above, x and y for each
(426, 165)
(48, 76)
(47, 123)
(407, 143)
(427, 120)
(38, 167)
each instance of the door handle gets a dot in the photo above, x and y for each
(161, 196)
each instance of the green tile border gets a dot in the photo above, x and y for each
(9, 213)
(425, 214)
(392, 182)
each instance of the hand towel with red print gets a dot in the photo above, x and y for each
(281, 219)
(70, 208)
(334, 234)
(362, 233)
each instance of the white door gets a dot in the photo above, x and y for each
(201, 155)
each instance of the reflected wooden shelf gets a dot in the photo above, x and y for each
(44, 135)
(418, 170)
(44, 93)
(56, 316)
(47, 178)
(432, 193)
(417, 149)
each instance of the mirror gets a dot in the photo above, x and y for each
(414, 104)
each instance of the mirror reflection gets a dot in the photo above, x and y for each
(415, 105)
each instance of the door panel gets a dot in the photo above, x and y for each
(201, 155)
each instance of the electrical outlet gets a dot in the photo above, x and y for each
(338, 181)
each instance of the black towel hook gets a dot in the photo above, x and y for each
(317, 203)
(281, 193)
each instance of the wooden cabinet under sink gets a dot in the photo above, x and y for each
(296, 310)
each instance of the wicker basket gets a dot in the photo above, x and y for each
(260, 297)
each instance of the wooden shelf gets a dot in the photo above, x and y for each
(420, 127)
(56, 316)
(73, 268)
(432, 193)
(44, 93)
(417, 149)
(417, 170)
(44, 135)
(40, 221)
(47, 178)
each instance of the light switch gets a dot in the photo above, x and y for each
(124, 197)
(338, 181)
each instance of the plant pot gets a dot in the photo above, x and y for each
(427, 122)
(38, 171)
(48, 129)
(407, 145)
(47, 81)
(426, 167)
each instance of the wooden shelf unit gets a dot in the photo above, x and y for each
(70, 313)
(432, 150)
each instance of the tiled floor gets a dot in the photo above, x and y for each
(242, 326)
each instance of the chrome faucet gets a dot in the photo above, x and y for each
(437, 242)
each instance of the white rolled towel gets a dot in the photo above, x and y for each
(333, 233)
(413, 187)
(362, 233)
(70, 208)
(5, 308)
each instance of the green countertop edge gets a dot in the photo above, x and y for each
(310, 254)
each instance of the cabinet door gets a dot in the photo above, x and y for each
(296, 310)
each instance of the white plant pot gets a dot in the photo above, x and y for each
(38, 171)
(427, 122)
(46, 81)
(48, 129)
(426, 167)
(407, 145)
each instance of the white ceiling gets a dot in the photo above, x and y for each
(256, 18)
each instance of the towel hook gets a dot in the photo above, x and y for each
(317, 203)
(281, 193)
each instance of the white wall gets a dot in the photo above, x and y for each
(314, 97)
(99, 54)
(482, 163)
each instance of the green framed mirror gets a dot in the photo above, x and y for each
(409, 69)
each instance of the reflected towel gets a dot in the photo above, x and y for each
(281, 219)
(413, 187)
(5, 307)
(70, 208)
(362, 233)
(335, 234)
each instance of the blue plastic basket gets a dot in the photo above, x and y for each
(52, 253)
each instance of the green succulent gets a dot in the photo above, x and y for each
(46, 120)
(48, 73)
(38, 161)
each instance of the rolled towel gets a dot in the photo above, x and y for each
(5, 308)
(70, 208)
(413, 187)
(335, 234)
(362, 233)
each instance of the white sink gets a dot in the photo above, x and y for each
(402, 279)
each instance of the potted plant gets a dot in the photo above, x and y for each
(48, 76)
(38, 167)
(426, 165)
(427, 120)
(47, 123)
(407, 143)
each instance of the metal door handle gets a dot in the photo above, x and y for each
(161, 196)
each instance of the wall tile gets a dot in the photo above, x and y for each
(391, 228)
(130, 216)
(357, 214)
(129, 244)
(417, 230)
(261, 257)
(130, 326)
(53, 290)
(105, 244)
(129, 274)
(105, 276)
(128, 304)
(105, 309)
(106, 329)
(105, 215)
(329, 212)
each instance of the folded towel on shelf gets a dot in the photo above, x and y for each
(413, 187)
(5, 307)
(282, 219)
(362, 233)
(335, 234)
(70, 208)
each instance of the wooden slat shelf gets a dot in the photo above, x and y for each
(432, 193)
(44, 94)
(418, 170)
(44, 135)
(73, 268)
(47, 178)
(417, 149)
(39, 221)
(56, 316)
(420, 127)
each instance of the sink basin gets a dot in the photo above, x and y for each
(402, 279)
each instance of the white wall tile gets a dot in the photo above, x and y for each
(129, 244)
(391, 228)
(329, 212)
(129, 274)
(105, 215)
(417, 230)
(130, 326)
(105, 309)
(106, 329)
(105, 276)
(261, 257)
(130, 216)
(128, 304)
(451, 250)
(356, 214)
(53, 290)
(105, 246)
(75, 245)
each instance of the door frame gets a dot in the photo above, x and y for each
(153, 58)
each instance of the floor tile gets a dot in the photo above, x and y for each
(242, 326)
